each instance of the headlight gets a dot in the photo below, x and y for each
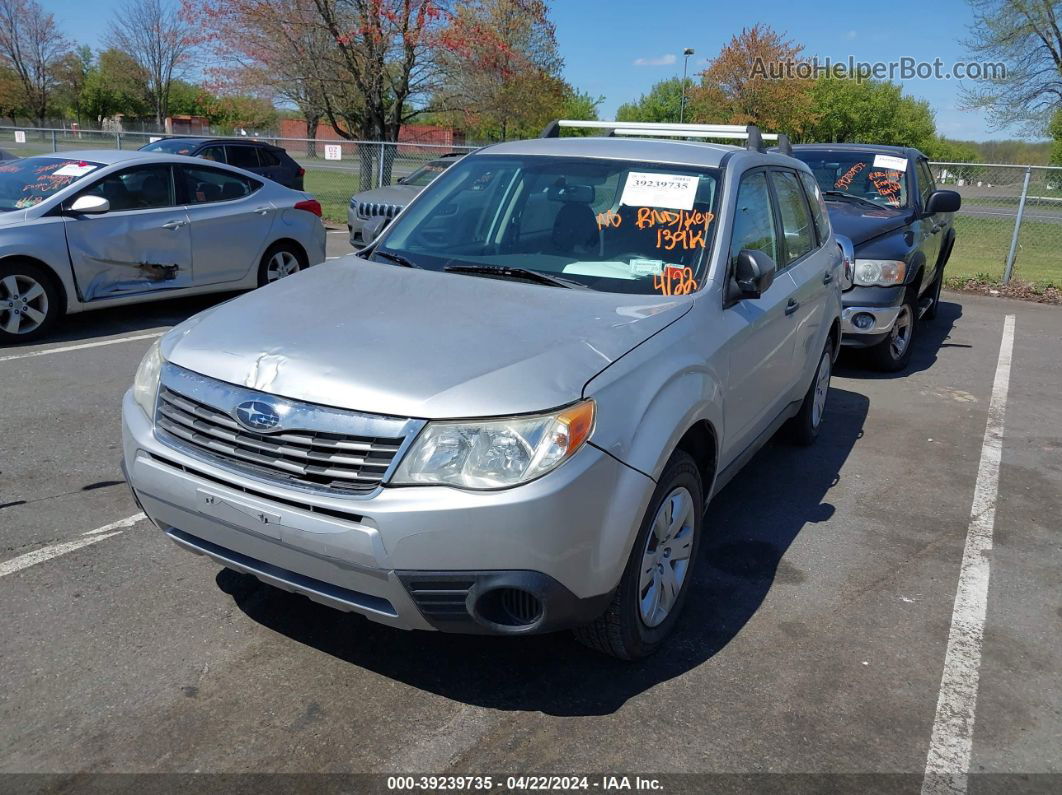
(492, 454)
(879, 272)
(146, 382)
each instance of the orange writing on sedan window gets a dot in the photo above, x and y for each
(848, 176)
(609, 218)
(675, 281)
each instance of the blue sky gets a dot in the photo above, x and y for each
(619, 48)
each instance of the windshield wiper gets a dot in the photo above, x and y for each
(398, 259)
(840, 194)
(507, 272)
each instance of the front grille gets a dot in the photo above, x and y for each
(328, 461)
(374, 209)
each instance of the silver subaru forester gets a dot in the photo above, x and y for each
(507, 415)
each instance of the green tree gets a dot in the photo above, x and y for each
(114, 85)
(660, 104)
(869, 111)
(1055, 130)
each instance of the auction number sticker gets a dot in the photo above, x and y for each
(669, 191)
(890, 162)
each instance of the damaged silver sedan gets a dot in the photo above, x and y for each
(92, 229)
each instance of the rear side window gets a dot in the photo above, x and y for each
(268, 158)
(795, 215)
(243, 156)
(753, 221)
(819, 212)
(206, 185)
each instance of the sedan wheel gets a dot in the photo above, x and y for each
(282, 263)
(23, 304)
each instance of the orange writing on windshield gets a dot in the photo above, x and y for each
(675, 281)
(683, 219)
(846, 179)
(609, 218)
(887, 183)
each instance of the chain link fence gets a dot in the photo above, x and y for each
(1010, 224)
(335, 169)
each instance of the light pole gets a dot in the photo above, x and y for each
(686, 53)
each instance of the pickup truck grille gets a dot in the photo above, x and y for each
(333, 462)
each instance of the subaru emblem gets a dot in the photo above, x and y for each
(257, 415)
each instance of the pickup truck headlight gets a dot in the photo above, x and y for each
(879, 272)
(146, 382)
(494, 454)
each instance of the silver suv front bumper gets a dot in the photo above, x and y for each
(575, 526)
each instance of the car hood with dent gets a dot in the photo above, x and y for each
(385, 339)
(860, 222)
(391, 194)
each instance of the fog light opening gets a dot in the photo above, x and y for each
(863, 321)
(509, 607)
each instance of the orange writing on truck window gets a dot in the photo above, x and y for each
(887, 183)
(609, 218)
(848, 176)
(675, 281)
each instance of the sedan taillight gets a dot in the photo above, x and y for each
(310, 206)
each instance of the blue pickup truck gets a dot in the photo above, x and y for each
(884, 199)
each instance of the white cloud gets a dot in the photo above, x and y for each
(659, 60)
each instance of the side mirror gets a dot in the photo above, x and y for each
(753, 272)
(943, 201)
(847, 260)
(400, 181)
(89, 205)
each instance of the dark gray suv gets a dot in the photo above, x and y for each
(258, 157)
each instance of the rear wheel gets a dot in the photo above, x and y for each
(655, 582)
(282, 259)
(804, 427)
(894, 352)
(30, 302)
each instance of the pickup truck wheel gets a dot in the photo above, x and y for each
(804, 427)
(934, 290)
(30, 302)
(657, 577)
(894, 352)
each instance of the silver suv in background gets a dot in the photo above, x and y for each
(509, 412)
(370, 210)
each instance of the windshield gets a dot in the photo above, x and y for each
(423, 176)
(610, 225)
(26, 183)
(172, 146)
(881, 179)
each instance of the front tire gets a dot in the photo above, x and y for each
(30, 302)
(657, 577)
(280, 260)
(893, 353)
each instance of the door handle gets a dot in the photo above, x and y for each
(173, 225)
(792, 307)
(827, 277)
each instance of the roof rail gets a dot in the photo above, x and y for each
(754, 139)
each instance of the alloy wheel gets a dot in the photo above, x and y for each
(666, 558)
(822, 389)
(281, 264)
(23, 304)
(900, 336)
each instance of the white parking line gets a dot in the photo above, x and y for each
(55, 550)
(948, 760)
(82, 346)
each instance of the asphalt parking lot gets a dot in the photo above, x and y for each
(814, 640)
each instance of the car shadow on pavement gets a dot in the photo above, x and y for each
(931, 336)
(120, 320)
(749, 530)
